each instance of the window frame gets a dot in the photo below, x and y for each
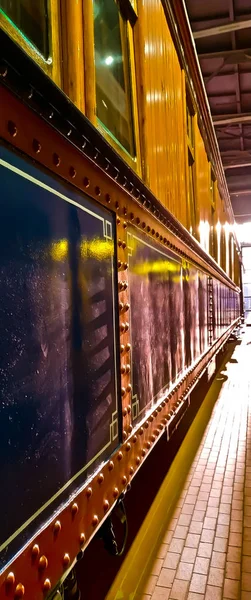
(127, 12)
(51, 65)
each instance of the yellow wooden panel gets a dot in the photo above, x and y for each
(162, 104)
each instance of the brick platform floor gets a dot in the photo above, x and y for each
(206, 551)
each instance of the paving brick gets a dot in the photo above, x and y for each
(213, 593)
(218, 559)
(216, 576)
(220, 544)
(205, 550)
(235, 539)
(180, 532)
(234, 554)
(192, 540)
(162, 550)
(157, 566)
(184, 571)
(176, 545)
(198, 583)
(231, 589)
(207, 535)
(150, 584)
(179, 590)
(161, 593)
(246, 582)
(171, 560)
(201, 565)
(166, 577)
(246, 564)
(233, 570)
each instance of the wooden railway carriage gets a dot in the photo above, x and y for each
(119, 263)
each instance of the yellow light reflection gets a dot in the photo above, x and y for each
(97, 248)
(59, 250)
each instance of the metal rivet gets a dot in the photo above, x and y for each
(153, 438)
(89, 492)
(56, 159)
(36, 146)
(74, 509)
(122, 348)
(10, 579)
(151, 418)
(124, 479)
(123, 245)
(128, 368)
(128, 446)
(100, 478)
(129, 409)
(148, 228)
(125, 266)
(121, 306)
(129, 388)
(153, 231)
(19, 591)
(43, 563)
(137, 460)
(131, 216)
(148, 445)
(124, 435)
(97, 190)
(57, 527)
(124, 411)
(134, 439)
(146, 424)
(127, 306)
(72, 172)
(131, 470)
(35, 551)
(86, 182)
(125, 224)
(12, 128)
(130, 428)
(118, 221)
(115, 492)
(143, 225)
(120, 455)
(122, 369)
(117, 205)
(106, 505)
(128, 347)
(108, 198)
(95, 520)
(123, 391)
(141, 430)
(82, 539)
(111, 465)
(66, 559)
(143, 452)
(47, 585)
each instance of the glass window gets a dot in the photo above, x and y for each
(31, 18)
(112, 68)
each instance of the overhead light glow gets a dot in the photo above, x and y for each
(109, 60)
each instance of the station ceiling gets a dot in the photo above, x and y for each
(222, 34)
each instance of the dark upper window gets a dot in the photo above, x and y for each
(113, 73)
(30, 17)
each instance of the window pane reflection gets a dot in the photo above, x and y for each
(31, 18)
(112, 65)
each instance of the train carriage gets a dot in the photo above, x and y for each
(119, 264)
